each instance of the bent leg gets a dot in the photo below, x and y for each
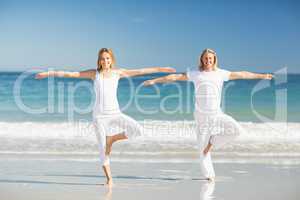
(112, 139)
(230, 130)
(123, 124)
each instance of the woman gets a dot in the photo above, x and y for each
(214, 128)
(110, 123)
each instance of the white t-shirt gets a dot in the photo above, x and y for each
(208, 89)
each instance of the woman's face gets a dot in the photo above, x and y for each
(208, 60)
(105, 61)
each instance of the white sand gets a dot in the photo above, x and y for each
(35, 178)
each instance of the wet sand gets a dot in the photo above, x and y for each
(37, 178)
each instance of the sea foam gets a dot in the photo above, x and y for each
(169, 137)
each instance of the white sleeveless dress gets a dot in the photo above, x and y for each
(213, 126)
(108, 120)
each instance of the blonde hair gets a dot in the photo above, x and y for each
(201, 64)
(110, 52)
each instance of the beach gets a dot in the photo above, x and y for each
(49, 150)
(170, 93)
(33, 177)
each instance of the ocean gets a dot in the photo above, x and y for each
(53, 116)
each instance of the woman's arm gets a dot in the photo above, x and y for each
(142, 71)
(88, 74)
(166, 79)
(249, 75)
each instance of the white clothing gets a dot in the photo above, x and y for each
(208, 89)
(109, 125)
(108, 120)
(105, 88)
(213, 126)
(217, 130)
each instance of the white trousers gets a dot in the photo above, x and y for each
(217, 129)
(109, 125)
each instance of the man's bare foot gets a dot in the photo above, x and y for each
(109, 142)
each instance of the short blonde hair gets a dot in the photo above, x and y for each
(201, 64)
(110, 52)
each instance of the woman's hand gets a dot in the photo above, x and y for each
(143, 71)
(268, 76)
(41, 75)
(249, 75)
(166, 79)
(148, 82)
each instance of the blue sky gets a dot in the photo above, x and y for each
(247, 35)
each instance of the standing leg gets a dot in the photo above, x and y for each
(206, 165)
(107, 172)
(104, 160)
(227, 128)
(207, 148)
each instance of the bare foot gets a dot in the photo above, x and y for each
(109, 183)
(109, 142)
(108, 194)
(211, 179)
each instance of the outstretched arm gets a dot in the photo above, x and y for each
(249, 75)
(166, 79)
(88, 74)
(142, 71)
